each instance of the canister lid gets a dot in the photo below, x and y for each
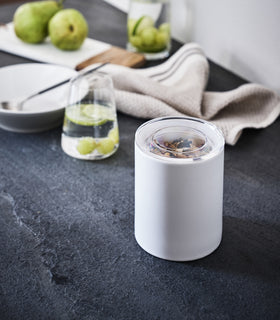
(174, 138)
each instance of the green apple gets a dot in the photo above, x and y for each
(86, 145)
(165, 27)
(114, 135)
(148, 36)
(135, 41)
(105, 146)
(162, 38)
(31, 20)
(68, 29)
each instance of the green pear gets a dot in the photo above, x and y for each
(68, 29)
(31, 20)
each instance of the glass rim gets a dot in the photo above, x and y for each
(94, 74)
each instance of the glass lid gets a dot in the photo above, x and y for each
(183, 138)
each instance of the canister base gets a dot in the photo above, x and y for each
(181, 258)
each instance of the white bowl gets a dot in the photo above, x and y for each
(42, 112)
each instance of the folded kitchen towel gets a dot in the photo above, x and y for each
(177, 88)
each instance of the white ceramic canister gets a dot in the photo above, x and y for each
(179, 165)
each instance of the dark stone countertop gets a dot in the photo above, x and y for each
(67, 247)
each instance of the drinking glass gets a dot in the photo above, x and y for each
(148, 28)
(90, 128)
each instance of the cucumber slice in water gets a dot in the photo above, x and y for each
(89, 114)
(130, 26)
(141, 24)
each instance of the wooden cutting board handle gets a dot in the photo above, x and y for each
(115, 55)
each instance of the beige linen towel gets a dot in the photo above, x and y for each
(177, 88)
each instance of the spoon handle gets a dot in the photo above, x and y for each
(65, 81)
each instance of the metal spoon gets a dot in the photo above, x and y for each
(17, 105)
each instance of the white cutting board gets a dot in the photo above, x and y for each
(46, 52)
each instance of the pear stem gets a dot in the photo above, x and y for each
(60, 2)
